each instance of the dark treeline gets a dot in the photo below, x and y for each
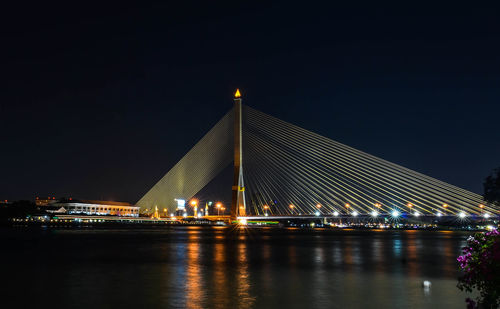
(18, 209)
(492, 187)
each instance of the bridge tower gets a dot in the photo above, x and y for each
(238, 204)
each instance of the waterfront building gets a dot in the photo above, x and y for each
(91, 207)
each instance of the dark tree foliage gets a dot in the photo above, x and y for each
(492, 188)
(18, 209)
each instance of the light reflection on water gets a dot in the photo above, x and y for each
(194, 276)
(202, 267)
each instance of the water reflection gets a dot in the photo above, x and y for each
(377, 254)
(241, 268)
(245, 299)
(396, 247)
(450, 254)
(194, 277)
(220, 282)
(411, 254)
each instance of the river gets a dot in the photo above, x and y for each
(227, 267)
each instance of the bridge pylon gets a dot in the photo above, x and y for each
(238, 204)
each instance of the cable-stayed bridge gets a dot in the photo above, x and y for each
(282, 170)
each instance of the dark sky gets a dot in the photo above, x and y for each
(100, 100)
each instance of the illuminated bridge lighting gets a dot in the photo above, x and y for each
(374, 213)
(462, 215)
(360, 180)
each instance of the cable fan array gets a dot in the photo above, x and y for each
(291, 171)
(195, 170)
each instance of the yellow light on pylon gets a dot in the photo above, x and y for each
(266, 207)
(445, 205)
(291, 206)
(347, 205)
(318, 205)
(237, 94)
(409, 205)
(481, 206)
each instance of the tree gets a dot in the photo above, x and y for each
(492, 188)
(18, 209)
(480, 264)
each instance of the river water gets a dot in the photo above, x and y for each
(226, 267)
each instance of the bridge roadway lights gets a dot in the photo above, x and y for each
(375, 215)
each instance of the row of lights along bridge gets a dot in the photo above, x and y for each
(375, 213)
(349, 210)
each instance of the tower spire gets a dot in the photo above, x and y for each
(238, 204)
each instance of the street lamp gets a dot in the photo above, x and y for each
(291, 207)
(218, 205)
(265, 209)
(194, 203)
(410, 205)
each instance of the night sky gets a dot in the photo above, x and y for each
(98, 101)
